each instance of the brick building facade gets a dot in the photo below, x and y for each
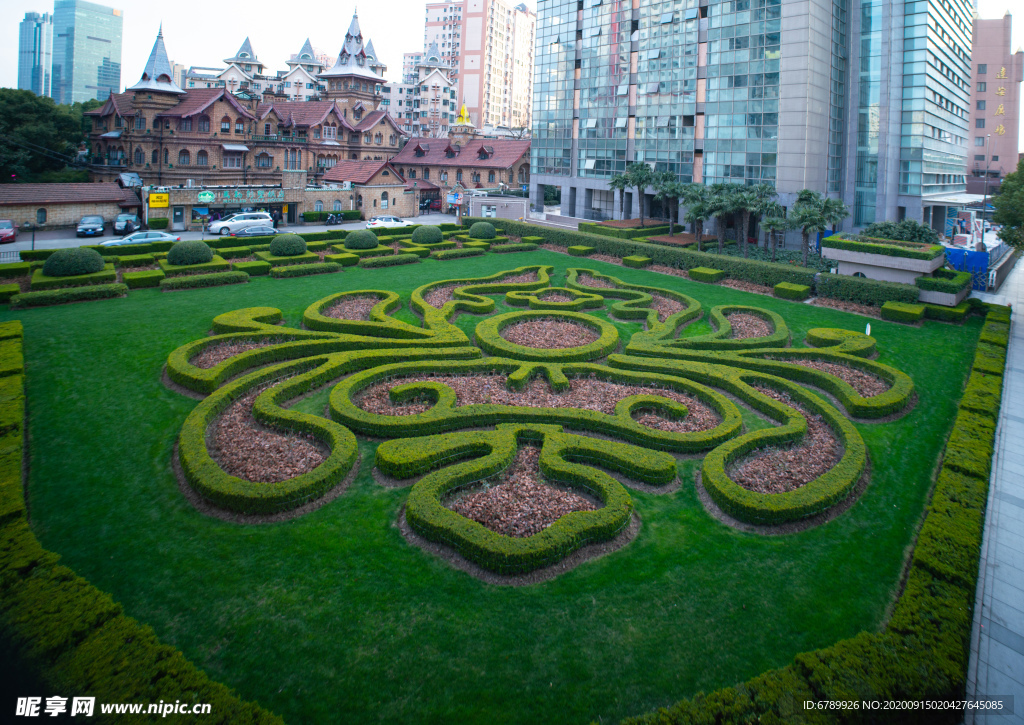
(61, 206)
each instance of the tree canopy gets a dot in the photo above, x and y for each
(1009, 204)
(38, 137)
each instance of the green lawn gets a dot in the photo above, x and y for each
(334, 617)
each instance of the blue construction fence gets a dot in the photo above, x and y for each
(977, 263)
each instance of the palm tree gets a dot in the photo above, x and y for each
(619, 183)
(668, 189)
(834, 211)
(774, 216)
(697, 198)
(765, 194)
(746, 203)
(722, 206)
(640, 176)
(809, 216)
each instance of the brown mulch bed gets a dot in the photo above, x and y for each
(549, 333)
(216, 354)
(664, 269)
(633, 223)
(24, 282)
(865, 384)
(606, 258)
(246, 449)
(777, 470)
(520, 504)
(857, 309)
(745, 326)
(588, 281)
(351, 308)
(439, 296)
(665, 306)
(583, 393)
(555, 297)
(681, 239)
(758, 289)
(554, 248)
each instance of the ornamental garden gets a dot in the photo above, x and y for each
(464, 473)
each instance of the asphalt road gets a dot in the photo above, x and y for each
(61, 238)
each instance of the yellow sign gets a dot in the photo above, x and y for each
(1001, 73)
(999, 111)
(1000, 129)
(159, 201)
(1001, 91)
(285, 209)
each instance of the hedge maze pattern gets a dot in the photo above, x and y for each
(456, 445)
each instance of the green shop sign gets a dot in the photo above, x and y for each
(240, 195)
(206, 196)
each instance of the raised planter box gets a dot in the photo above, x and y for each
(946, 299)
(882, 267)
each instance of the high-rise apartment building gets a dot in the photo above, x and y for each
(35, 53)
(86, 51)
(489, 46)
(813, 94)
(995, 105)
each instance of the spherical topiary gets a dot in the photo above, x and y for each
(361, 239)
(427, 235)
(287, 245)
(76, 260)
(482, 230)
(185, 253)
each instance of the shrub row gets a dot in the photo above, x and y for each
(7, 291)
(68, 635)
(787, 291)
(303, 270)
(864, 291)
(391, 261)
(506, 248)
(945, 280)
(321, 216)
(14, 269)
(947, 314)
(888, 247)
(902, 312)
(253, 269)
(71, 294)
(706, 274)
(204, 280)
(457, 253)
(134, 260)
(618, 233)
(41, 281)
(923, 652)
(173, 270)
(145, 278)
(344, 259)
(282, 261)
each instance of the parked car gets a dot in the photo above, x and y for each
(425, 204)
(240, 221)
(387, 221)
(126, 223)
(261, 231)
(435, 205)
(8, 231)
(90, 226)
(141, 238)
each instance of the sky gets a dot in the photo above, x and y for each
(202, 33)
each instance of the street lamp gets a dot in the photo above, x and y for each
(29, 226)
(984, 199)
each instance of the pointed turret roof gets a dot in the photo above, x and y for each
(352, 59)
(354, 37)
(463, 118)
(245, 54)
(307, 49)
(158, 75)
(370, 52)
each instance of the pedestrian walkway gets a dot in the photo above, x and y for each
(997, 635)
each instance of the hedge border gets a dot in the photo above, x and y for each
(199, 281)
(219, 264)
(887, 247)
(41, 283)
(71, 294)
(304, 270)
(489, 339)
(145, 278)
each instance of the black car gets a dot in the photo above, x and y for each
(90, 226)
(255, 232)
(126, 224)
(425, 204)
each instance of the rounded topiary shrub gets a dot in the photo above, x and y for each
(427, 235)
(482, 230)
(361, 239)
(185, 253)
(68, 262)
(287, 245)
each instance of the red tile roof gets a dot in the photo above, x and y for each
(300, 113)
(198, 100)
(120, 103)
(17, 194)
(421, 184)
(373, 119)
(505, 153)
(359, 172)
(129, 199)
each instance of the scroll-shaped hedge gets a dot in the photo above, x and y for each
(539, 300)
(488, 337)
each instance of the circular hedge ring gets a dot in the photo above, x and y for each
(361, 239)
(482, 230)
(73, 261)
(427, 235)
(183, 254)
(287, 245)
(488, 337)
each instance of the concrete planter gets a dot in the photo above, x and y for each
(944, 298)
(881, 266)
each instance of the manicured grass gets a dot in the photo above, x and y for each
(334, 616)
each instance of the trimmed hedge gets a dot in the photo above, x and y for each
(73, 262)
(636, 261)
(125, 250)
(204, 280)
(888, 247)
(361, 239)
(580, 250)
(14, 269)
(345, 260)
(482, 230)
(477, 244)
(457, 253)
(787, 291)
(489, 339)
(7, 291)
(253, 269)
(287, 245)
(947, 314)
(864, 291)
(278, 261)
(234, 252)
(621, 233)
(303, 270)
(72, 294)
(945, 280)
(427, 235)
(146, 278)
(158, 223)
(506, 248)
(185, 254)
(41, 281)
(902, 312)
(707, 274)
(392, 261)
(134, 260)
(219, 264)
(379, 251)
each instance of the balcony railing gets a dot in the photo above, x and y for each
(278, 138)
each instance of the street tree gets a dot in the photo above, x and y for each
(1009, 205)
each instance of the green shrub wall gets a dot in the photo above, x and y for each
(864, 291)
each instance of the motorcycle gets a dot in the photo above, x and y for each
(333, 219)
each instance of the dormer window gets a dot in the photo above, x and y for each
(419, 152)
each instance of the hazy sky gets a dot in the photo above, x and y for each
(204, 33)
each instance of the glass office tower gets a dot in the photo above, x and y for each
(855, 99)
(35, 53)
(86, 51)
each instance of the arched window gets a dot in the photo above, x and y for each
(139, 157)
(384, 200)
(40, 216)
(444, 176)
(204, 124)
(426, 173)
(225, 125)
(337, 205)
(318, 206)
(263, 161)
(154, 156)
(367, 138)
(476, 178)
(490, 177)
(354, 155)
(522, 174)
(359, 201)
(458, 175)
(391, 140)
(378, 139)
(202, 158)
(239, 126)
(166, 156)
(412, 174)
(374, 203)
(184, 157)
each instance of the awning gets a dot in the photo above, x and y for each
(957, 199)
(234, 147)
(111, 134)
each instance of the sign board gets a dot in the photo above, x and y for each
(524, 187)
(205, 197)
(455, 199)
(159, 200)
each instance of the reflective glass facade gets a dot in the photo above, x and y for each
(86, 51)
(35, 53)
(553, 83)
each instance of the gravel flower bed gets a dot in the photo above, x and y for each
(520, 504)
(244, 448)
(777, 470)
(759, 289)
(855, 308)
(583, 393)
(745, 326)
(865, 384)
(606, 258)
(439, 296)
(352, 308)
(555, 297)
(554, 248)
(665, 306)
(588, 281)
(549, 333)
(216, 354)
(24, 282)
